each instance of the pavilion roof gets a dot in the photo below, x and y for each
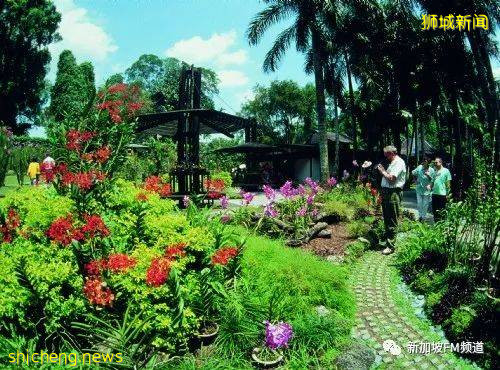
(211, 122)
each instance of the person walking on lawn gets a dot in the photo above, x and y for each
(441, 181)
(393, 180)
(33, 171)
(423, 174)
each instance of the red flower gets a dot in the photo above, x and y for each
(158, 271)
(75, 138)
(94, 226)
(97, 292)
(83, 180)
(133, 107)
(89, 157)
(61, 168)
(156, 184)
(373, 192)
(102, 154)
(175, 250)
(67, 178)
(214, 195)
(117, 88)
(61, 230)
(120, 262)
(223, 255)
(95, 267)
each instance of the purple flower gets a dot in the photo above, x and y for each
(287, 189)
(302, 211)
(225, 218)
(355, 163)
(332, 181)
(301, 190)
(269, 211)
(345, 175)
(315, 213)
(310, 199)
(278, 335)
(312, 184)
(224, 202)
(269, 192)
(186, 201)
(247, 197)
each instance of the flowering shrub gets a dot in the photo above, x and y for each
(224, 255)
(155, 184)
(214, 187)
(9, 225)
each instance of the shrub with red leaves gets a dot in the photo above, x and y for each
(175, 250)
(97, 292)
(120, 262)
(94, 226)
(158, 271)
(224, 255)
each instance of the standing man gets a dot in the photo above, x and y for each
(393, 180)
(441, 182)
(423, 174)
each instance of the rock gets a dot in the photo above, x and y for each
(358, 357)
(322, 311)
(364, 240)
(325, 234)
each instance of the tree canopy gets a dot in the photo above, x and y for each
(26, 28)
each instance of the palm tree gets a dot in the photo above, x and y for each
(306, 32)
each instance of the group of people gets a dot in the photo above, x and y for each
(36, 169)
(433, 185)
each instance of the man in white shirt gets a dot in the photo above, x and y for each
(393, 180)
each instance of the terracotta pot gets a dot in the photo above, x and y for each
(266, 364)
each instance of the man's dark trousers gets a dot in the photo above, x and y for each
(391, 209)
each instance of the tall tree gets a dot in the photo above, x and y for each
(26, 28)
(306, 32)
(159, 77)
(74, 88)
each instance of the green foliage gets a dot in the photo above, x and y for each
(20, 159)
(215, 161)
(279, 283)
(460, 320)
(38, 207)
(73, 90)
(338, 210)
(26, 29)
(357, 229)
(4, 154)
(163, 155)
(159, 77)
(224, 176)
(285, 111)
(356, 249)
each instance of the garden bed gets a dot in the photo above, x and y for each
(335, 245)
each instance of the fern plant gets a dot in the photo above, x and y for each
(128, 337)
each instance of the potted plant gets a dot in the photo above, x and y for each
(208, 329)
(277, 337)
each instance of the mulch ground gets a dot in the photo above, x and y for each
(335, 246)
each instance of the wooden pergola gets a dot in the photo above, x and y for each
(185, 125)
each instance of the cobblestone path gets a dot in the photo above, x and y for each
(385, 313)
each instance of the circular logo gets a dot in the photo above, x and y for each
(390, 346)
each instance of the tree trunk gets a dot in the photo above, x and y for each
(320, 106)
(351, 105)
(337, 133)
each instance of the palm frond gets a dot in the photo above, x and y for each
(265, 19)
(278, 49)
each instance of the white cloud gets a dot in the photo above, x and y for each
(80, 34)
(245, 96)
(238, 57)
(231, 78)
(214, 50)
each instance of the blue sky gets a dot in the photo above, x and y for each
(211, 33)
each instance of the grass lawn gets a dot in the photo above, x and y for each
(11, 183)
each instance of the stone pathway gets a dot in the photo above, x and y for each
(385, 313)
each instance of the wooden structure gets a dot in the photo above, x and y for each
(185, 125)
